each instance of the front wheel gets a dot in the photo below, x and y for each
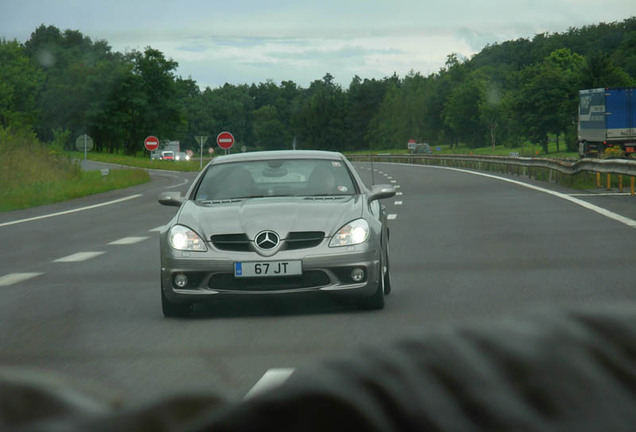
(375, 301)
(387, 274)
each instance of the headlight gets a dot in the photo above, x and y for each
(183, 238)
(355, 232)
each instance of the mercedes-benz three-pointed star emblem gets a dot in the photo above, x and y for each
(267, 240)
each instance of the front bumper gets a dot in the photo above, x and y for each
(211, 274)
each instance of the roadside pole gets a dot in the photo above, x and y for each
(202, 140)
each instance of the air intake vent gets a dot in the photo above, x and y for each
(304, 240)
(231, 242)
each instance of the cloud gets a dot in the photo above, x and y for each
(245, 41)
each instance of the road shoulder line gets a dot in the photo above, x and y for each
(70, 211)
(600, 210)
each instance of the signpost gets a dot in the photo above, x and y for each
(84, 143)
(201, 140)
(411, 145)
(225, 140)
(151, 143)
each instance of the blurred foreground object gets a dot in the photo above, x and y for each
(557, 370)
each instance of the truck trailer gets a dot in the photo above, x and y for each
(607, 122)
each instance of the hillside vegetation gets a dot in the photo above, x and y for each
(516, 93)
(33, 174)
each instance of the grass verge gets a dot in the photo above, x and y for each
(32, 174)
(141, 161)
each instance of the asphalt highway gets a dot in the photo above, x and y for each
(79, 281)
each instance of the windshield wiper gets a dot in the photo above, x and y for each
(220, 201)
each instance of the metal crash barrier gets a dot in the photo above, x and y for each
(521, 165)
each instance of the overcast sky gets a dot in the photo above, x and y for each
(251, 41)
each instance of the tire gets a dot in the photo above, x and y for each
(376, 300)
(387, 274)
(173, 310)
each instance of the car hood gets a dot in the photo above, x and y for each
(282, 215)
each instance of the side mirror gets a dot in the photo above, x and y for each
(172, 199)
(379, 192)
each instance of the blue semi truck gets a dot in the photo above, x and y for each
(607, 122)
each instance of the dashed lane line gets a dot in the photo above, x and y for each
(78, 257)
(273, 378)
(15, 278)
(128, 240)
(392, 216)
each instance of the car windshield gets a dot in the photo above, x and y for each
(266, 178)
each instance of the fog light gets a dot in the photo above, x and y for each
(181, 280)
(357, 274)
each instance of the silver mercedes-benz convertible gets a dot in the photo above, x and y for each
(275, 223)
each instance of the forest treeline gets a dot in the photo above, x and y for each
(60, 84)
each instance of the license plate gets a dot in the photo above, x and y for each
(267, 268)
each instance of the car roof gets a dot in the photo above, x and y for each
(278, 154)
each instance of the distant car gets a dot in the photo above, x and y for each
(182, 156)
(422, 148)
(167, 155)
(275, 223)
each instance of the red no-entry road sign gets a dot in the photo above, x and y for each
(151, 143)
(225, 140)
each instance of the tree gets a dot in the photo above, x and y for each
(544, 102)
(320, 119)
(152, 104)
(364, 98)
(20, 82)
(599, 71)
(232, 108)
(462, 114)
(269, 131)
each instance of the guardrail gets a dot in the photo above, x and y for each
(518, 165)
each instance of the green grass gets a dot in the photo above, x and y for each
(64, 189)
(32, 174)
(142, 161)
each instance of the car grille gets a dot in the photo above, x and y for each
(241, 243)
(309, 279)
(231, 242)
(304, 240)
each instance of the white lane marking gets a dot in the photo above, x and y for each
(80, 256)
(273, 378)
(600, 194)
(70, 211)
(398, 203)
(158, 229)
(128, 240)
(398, 193)
(184, 182)
(604, 212)
(15, 278)
(393, 181)
(391, 217)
